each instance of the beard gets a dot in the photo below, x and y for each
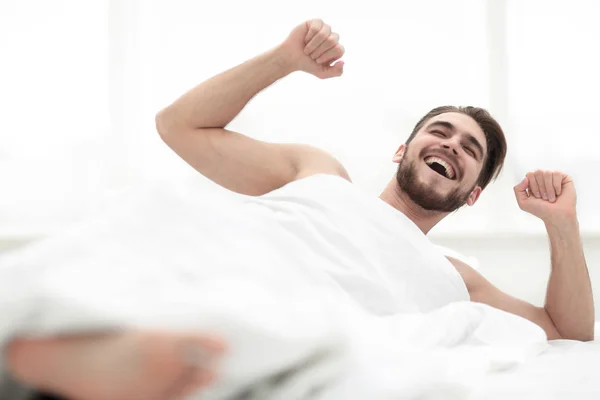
(426, 197)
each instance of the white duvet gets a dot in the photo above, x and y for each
(321, 291)
(566, 370)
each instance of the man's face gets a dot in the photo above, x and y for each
(440, 167)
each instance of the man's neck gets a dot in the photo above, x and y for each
(398, 199)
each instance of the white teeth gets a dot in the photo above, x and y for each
(448, 167)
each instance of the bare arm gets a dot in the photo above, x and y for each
(569, 309)
(569, 299)
(217, 101)
(194, 125)
(482, 291)
(551, 196)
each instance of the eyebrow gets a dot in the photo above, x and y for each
(470, 137)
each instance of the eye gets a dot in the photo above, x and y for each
(439, 133)
(470, 151)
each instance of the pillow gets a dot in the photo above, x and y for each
(470, 261)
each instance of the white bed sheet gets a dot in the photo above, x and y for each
(153, 264)
(566, 370)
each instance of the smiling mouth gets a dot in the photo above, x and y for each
(441, 167)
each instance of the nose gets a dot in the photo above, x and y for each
(449, 148)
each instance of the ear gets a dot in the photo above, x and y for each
(399, 153)
(474, 195)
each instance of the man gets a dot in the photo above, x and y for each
(451, 156)
(465, 145)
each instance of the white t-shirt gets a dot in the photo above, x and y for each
(366, 247)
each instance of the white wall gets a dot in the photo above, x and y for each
(78, 109)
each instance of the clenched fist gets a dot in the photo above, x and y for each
(549, 195)
(312, 47)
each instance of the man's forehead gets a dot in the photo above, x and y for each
(461, 121)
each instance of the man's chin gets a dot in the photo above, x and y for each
(430, 192)
(433, 199)
(435, 190)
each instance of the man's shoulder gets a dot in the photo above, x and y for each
(476, 283)
(313, 160)
(469, 275)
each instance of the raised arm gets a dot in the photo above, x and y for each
(569, 309)
(551, 197)
(194, 125)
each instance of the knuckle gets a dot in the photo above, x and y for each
(324, 32)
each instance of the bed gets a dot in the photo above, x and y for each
(567, 370)
(462, 350)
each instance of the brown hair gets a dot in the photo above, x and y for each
(495, 140)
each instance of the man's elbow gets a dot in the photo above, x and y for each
(161, 122)
(553, 332)
(167, 121)
(584, 336)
